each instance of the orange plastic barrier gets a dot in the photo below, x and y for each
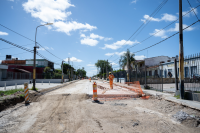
(95, 91)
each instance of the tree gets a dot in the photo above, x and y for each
(47, 72)
(123, 60)
(81, 72)
(67, 68)
(102, 65)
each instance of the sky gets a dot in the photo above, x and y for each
(87, 31)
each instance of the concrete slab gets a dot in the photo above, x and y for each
(191, 104)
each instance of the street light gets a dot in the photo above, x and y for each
(34, 71)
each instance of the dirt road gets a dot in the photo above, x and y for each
(70, 110)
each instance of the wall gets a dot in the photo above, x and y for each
(156, 60)
(51, 80)
(9, 83)
(20, 82)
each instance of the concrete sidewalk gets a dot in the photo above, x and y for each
(171, 98)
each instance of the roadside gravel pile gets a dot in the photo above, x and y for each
(186, 118)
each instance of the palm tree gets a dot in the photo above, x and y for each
(123, 60)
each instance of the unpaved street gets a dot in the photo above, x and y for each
(70, 110)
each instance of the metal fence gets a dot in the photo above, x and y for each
(149, 77)
(120, 76)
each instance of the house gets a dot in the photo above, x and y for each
(17, 67)
(3, 72)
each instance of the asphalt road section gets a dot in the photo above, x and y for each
(70, 110)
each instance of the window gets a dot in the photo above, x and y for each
(150, 73)
(193, 70)
(186, 72)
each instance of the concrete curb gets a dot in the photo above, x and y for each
(191, 104)
(169, 97)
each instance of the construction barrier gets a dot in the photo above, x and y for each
(26, 93)
(95, 92)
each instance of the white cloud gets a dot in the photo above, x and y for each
(159, 34)
(116, 53)
(90, 65)
(90, 42)
(69, 53)
(48, 10)
(121, 53)
(162, 33)
(11, 0)
(140, 57)
(42, 49)
(11, 7)
(79, 51)
(107, 39)
(109, 54)
(3, 33)
(191, 13)
(119, 44)
(55, 12)
(113, 64)
(94, 36)
(66, 27)
(165, 17)
(176, 28)
(73, 59)
(134, 1)
(82, 35)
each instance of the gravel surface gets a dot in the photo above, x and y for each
(70, 110)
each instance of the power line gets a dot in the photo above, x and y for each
(26, 49)
(161, 5)
(162, 28)
(165, 38)
(193, 10)
(15, 54)
(15, 47)
(30, 40)
(147, 23)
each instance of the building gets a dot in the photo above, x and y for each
(157, 60)
(26, 66)
(40, 63)
(191, 67)
(3, 72)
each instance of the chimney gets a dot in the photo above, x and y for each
(8, 57)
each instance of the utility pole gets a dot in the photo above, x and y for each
(103, 71)
(72, 72)
(62, 73)
(181, 58)
(107, 70)
(128, 66)
(34, 71)
(68, 68)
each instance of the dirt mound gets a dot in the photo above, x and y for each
(186, 119)
(10, 102)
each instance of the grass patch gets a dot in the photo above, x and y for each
(177, 97)
(10, 92)
(34, 89)
(22, 95)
